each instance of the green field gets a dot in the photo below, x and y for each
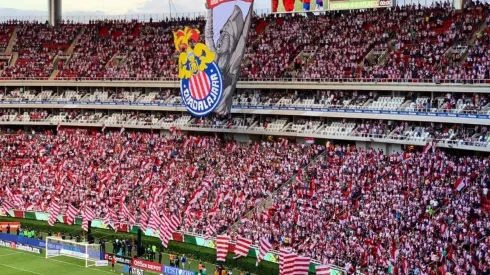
(16, 262)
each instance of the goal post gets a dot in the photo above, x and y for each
(90, 253)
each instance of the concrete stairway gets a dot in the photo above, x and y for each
(73, 44)
(15, 56)
(12, 41)
(54, 74)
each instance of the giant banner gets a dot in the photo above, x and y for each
(209, 72)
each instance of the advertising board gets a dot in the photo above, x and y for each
(146, 265)
(119, 259)
(169, 270)
(28, 248)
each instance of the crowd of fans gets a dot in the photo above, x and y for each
(368, 211)
(423, 38)
(100, 170)
(415, 42)
(476, 65)
(413, 211)
(5, 34)
(37, 45)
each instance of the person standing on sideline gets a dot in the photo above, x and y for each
(183, 260)
(153, 252)
(8, 229)
(171, 260)
(177, 261)
(113, 262)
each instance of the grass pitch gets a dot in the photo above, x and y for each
(16, 262)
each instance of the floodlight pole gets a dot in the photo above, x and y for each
(55, 12)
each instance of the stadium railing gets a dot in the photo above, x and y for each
(473, 145)
(298, 80)
(480, 116)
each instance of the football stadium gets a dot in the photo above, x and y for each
(312, 137)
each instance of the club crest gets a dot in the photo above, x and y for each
(201, 82)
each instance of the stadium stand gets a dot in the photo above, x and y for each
(361, 208)
(356, 207)
(76, 163)
(37, 46)
(403, 43)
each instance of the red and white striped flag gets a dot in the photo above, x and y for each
(9, 193)
(322, 269)
(427, 147)
(264, 248)
(233, 147)
(188, 220)
(107, 218)
(155, 220)
(71, 213)
(244, 219)
(88, 215)
(222, 247)
(122, 130)
(129, 215)
(172, 224)
(242, 246)
(284, 142)
(54, 211)
(460, 184)
(162, 229)
(286, 262)
(162, 236)
(157, 223)
(434, 146)
(111, 217)
(6, 206)
(115, 220)
(301, 265)
(196, 195)
(210, 231)
(19, 202)
(144, 221)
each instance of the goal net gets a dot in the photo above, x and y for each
(90, 253)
